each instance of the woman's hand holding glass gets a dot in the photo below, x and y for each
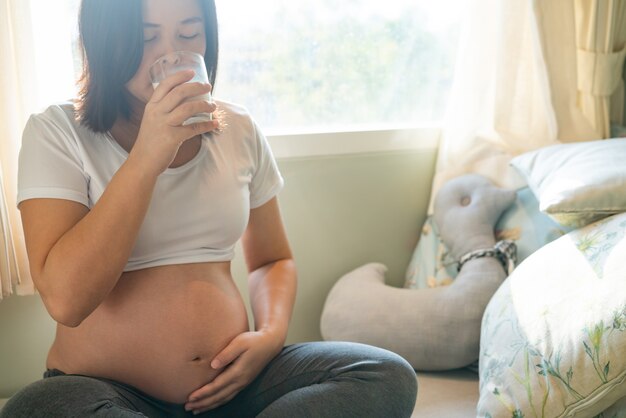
(162, 131)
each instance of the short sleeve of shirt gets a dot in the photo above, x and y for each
(49, 163)
(266, 180)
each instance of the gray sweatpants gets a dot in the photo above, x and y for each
(316, 379)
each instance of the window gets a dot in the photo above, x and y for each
(338, 65)
(56, 58)
(302, 66)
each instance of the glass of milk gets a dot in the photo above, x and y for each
(179, 61)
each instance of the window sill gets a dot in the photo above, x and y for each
(353, 142)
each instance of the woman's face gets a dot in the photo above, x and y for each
(167, 26)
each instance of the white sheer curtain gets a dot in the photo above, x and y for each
(517, 83)
(37, 69)
(17, 95)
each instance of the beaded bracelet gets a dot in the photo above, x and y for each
(505, 251)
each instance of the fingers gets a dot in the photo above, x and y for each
(233, 378)
(208, 389)
(182, 92)
(224, 395)
(188, 109)
(223, 388)
(234, 350)
(167, 84)
(228, 355)
(199, 128)
(225, 378)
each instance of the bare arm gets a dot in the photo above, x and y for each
(272, 276)
(76, 255)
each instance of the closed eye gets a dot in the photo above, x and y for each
(189, 37)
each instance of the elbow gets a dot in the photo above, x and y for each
(68, 320)
(63, 312)
(61, 306)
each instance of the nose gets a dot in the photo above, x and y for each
(170, 58)
(168, 47)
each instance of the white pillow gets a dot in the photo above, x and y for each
(553, 337)
(577, 183)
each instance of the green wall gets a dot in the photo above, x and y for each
(340, 212)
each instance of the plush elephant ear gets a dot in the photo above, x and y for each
(466, 210)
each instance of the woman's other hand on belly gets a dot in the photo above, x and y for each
(240, 362)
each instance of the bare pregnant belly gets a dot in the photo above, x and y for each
(158, 330)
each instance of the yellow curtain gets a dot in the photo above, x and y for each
(601, 48)
(16, 103)
(624, 102)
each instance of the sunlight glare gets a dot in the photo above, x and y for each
(53, 51)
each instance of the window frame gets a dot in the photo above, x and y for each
(337, 143)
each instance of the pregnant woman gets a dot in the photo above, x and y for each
(131, 220)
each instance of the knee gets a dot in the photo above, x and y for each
(35, 400)
(395, 381)
(399, 381)
(63, 396)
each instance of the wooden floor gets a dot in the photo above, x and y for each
(452, 394)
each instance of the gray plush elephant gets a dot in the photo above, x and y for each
(434, 328)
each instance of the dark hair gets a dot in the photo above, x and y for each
(111, 42)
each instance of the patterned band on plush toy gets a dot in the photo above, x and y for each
(505, 251)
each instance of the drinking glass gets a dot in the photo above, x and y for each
(178, 61)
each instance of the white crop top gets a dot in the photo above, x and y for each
(198, 210)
